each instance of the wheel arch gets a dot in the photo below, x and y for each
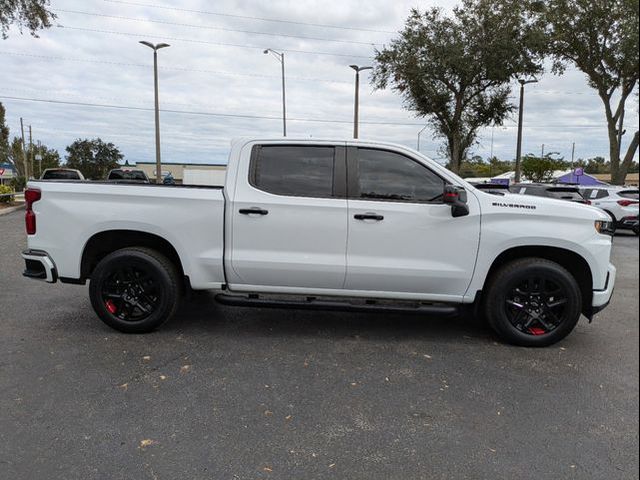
(573, 262)
(103, 243)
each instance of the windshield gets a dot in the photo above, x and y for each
(60, 175)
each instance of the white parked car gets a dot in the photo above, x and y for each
(620, 203)
(350, 225)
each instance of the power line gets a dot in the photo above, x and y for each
(191, 40)
(211, 27)
(260, 117)
(248, 17)
(179, 69)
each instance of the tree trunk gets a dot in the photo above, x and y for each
(623, 169)
(455, 149)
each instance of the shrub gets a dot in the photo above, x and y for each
(18, 183)
(6, 189)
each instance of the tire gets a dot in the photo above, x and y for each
(523, 287)
(135, 290)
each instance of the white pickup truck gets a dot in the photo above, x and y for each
(323, 224)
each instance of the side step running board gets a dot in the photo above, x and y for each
(311, 303)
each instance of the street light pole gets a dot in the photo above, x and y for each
(420, 133)
(356, 106)
(520, 113)
(155, 49)
(280, 57)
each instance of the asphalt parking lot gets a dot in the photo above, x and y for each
(224, 393)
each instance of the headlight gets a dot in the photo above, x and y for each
(604, 227)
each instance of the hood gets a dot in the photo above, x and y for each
(529, 204)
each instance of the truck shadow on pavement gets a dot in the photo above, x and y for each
(202, 314)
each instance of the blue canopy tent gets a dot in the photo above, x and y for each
(583, 179)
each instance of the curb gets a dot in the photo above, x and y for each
(6, 211)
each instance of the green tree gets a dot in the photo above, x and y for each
(600, 37)
(4, 136)
(540, 169)
(15, 156)
(455, 70)
(94, 158)
(31, 15)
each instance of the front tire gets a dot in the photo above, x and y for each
(135, 290)
(533, 302)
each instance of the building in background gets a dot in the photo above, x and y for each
(188, 173)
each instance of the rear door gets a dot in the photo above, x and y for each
(402, 238)
(289, 218)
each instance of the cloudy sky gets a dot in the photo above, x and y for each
(216, 84)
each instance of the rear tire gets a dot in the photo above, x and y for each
(532, 302)
(135, 290)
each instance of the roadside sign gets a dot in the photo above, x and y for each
(39, 157)
(1, 171)
(578, 172)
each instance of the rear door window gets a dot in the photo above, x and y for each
(293, 170)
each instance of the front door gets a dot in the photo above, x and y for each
(289, 224)
(402, 238)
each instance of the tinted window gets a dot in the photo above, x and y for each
(294, 170)
(390, 176)
(565, 193)
(127, 175)
(632, 194)
(61, 175)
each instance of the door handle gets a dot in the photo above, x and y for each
(368, 216)
(253, 211)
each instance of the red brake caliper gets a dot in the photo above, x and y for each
(111, 306)
(537, 331)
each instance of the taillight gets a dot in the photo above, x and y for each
(626, 203)
(31, 195)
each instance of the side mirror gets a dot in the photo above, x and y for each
(457, 198)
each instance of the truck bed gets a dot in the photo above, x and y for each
(191, 218)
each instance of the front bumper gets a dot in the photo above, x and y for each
(601, 298)
(39, 266)
(629, 222)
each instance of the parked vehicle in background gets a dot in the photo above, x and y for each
(620, 203)
(495, 188)
(350, 225)
(128, 175)
(550, 190)
(61, 174)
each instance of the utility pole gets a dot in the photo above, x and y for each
(39, 158)
(31, 150)
(356, 106)
(155, 49)
(542, 151)
(280, 57)
(24, 152)
(573, 153)
(520, 115)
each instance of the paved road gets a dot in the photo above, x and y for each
(224, 393)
